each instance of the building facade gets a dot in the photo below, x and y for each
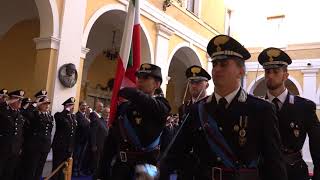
(38, 37)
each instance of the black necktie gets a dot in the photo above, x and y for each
(276, 101)
(222, 103)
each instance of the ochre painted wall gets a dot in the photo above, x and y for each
(297, 75)
(299, 54)
(94, 5)
(173, 42)
(203, 57)
(152, 31)
(60, 6)
(170, 95)
(214, 17)
(45, 70)
(214, 21)
(213, 13)
(18, 56)
(78, 85)
(100, 71)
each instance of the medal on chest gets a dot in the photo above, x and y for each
(241, 129)
(296, 129)
(137, 117)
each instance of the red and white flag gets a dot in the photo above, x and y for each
(129, 56)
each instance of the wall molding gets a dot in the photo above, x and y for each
(84, 52)
(164, 31)
(47, 43)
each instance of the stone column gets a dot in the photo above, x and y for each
(46, 59)
(310, 84)
(161, 52)
(70, 49)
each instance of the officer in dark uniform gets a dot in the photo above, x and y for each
(37, 141)
(28, 108)
(11, 134)
(297, 116)
(3, 95)
(25, 103)
(197, 84)
(40, 94)
(82, 136)
(64, 137)
(232, 133)
(135, 134)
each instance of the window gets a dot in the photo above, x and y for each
(193, 6)
(190, 5)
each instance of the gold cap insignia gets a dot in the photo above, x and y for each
(146, 66)
(5, 91)
(45, 99)
(221, 40)
(73, 99)
(43, 92)
(195, 70)
(138, 120)
(273, 53)
(21, 93)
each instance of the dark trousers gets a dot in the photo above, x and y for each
(298, 171)
(59, 156)
(32, 164)
(96, 161)
(78, 157)
(8, 166)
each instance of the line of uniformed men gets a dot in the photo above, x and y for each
(198, 153)
(230, 135)
(25, 134)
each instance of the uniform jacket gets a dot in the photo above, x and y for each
(146, 114)
(82, 128)
(11, 130)
(38, 134)
(297, 119)
(262, 139)
(64, 137)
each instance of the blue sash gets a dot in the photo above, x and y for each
(131, 133)
(215, 139)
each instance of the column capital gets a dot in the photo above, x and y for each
(164, 31)
(47, 42)
(310, 72)
(84, 52)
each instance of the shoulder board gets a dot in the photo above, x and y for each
(291, 99)
(242, 96)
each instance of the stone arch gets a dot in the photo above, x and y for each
(46, 11)
(182, 57)
(97, 37)
(49, 18)
(106, 9)
(21, 26)
(99, 13)
(253, 85)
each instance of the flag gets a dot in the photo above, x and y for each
(129, 56)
